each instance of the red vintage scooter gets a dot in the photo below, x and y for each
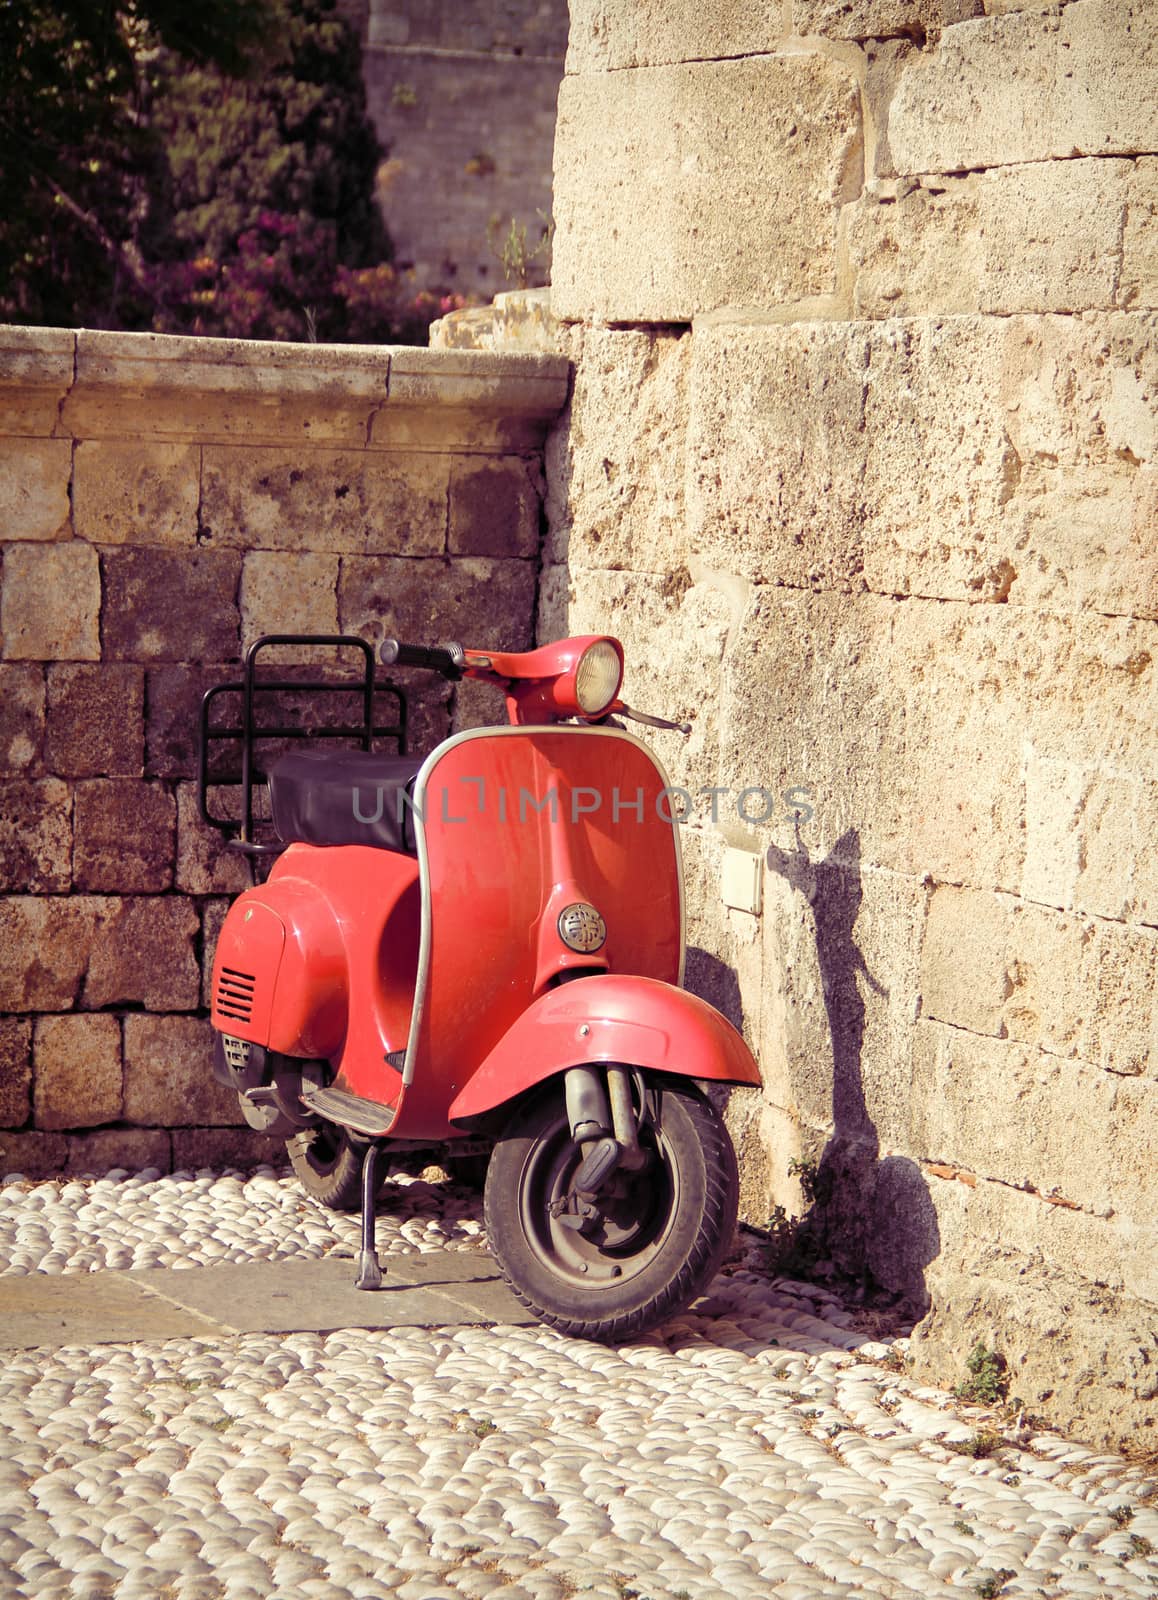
(485, 948)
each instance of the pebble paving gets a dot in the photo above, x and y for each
(759, 1447)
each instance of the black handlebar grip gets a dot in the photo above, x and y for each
(449, 659)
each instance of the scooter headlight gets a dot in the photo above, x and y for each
(597, 677)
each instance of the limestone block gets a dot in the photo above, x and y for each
(1017, 1115)
(205, 864)
(363, 502)
(173, 705)
(1138, 285)
(1117, 867)
(1031, 86)
(654, 167)
(34, 483)
(615, 466)
(499, 402)
(879, 19)
(136, 492)
(169, 1078)
(170, 605)
(609, 34)
(44, 949)
(477, 600)
(113, 1149)
(35, 836)
(32, 1155)
(1040, 238)
(494, 508)
(1067, 985)
(142, 954)
(76, 1071)
(96, 717)
(21, 719)
(213, 914)
(15, 1070)
(51, 602)
(124, 840)
(288, 593)
(218, 1149)
(977, 458)
(36, 368)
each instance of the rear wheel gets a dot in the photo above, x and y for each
(656, 1237)
(327, 1162)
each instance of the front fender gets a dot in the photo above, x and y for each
(639, 1022)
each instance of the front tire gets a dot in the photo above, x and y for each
(661, 1232)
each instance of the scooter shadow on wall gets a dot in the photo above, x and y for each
(872, 1216)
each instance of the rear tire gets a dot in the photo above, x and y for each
(327, 1162)
(661, 1233)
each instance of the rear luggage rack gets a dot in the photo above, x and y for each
(266, 696)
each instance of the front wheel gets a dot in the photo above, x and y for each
(657, 1235)
(327, 1162)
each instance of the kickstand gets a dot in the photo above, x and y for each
(369, 1269)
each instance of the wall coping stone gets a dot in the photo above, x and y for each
(90, 384)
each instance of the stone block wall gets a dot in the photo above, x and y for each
(463, 99)
(862, 463)
(163, 502)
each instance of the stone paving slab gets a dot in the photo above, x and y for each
(455, 1289)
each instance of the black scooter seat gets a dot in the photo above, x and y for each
(344, 797)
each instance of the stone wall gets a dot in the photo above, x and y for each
(463, 98)
(861, 464)
(162, 503)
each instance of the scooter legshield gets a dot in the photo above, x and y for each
(610, 1017)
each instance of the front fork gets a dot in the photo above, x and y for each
(603, 1125)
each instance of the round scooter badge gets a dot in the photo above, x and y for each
(581, 927)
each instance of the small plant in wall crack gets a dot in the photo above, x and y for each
(987, 1383)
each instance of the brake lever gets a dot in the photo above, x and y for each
(620, 710)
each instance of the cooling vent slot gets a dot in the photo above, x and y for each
(235, 994)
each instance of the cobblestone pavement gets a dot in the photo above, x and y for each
(761, 1447)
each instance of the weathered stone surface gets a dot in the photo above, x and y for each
(494, 508)
(136, 491)
(35, 836)
(77, 1071)
(681, 152)
(95, 722)
(1138, 285)
(51, 601)
(615, 464)
(364, 502)
(1043, 1286)
(213, 914)
(112, 1149)
(44, 949)
(647, 33)
(205, 864)
(521, 319)
(880, 19)
(123, 836)
(168, 1074)
(288, 593)
(36, 367)
(15, 1071)
(170, 605)
(926, 457)
(476, 600)
(221, 1148)
(1031, 86)
(1039, 238)
(21, 719)
(142, 954)
(1076, 988)
(1005, 1111)
(32, 1155)
(173, 702)
(34, 480)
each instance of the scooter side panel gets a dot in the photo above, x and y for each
(615, 1018)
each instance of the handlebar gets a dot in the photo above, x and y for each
(449, 659)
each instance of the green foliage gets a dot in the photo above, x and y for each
(987, 1383)
(980, 1445)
